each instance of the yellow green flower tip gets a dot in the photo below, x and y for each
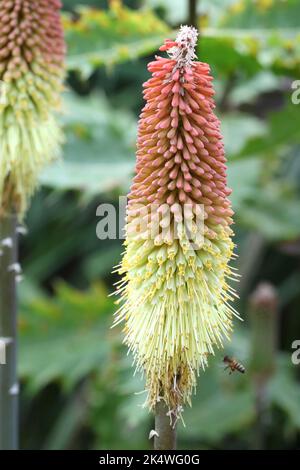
(31, 71)
(174, 293)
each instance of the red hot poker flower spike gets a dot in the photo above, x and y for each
(175, 293)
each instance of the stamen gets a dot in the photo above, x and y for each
(184, 51)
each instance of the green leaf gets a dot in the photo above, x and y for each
(248, 90)
(243, 177)
(71, 331)
(98, 264)
(283, 131)
(238, 128)
(268, 206)
(285, 393)
(224, 55)
(68, 422)
(261, 14)
(174, 11)
(220, 415)
(221, 406)
(251, 50)
(99, 151)
(274, 213)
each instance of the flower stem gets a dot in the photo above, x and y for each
(192, 20)
(263, 314)
(8, 334)
(165, 428)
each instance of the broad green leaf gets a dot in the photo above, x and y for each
(273, 213)
(98, 264)
(243, 177)
(72, 333)
(267, 206)
(238, 128)
(285, 393)
(107, 37)
(67, 423)
(246, 50)
(248, 14)
(174, 11)
(93, 178)
(248, 90)
(223, 405)
(220, 415)
(224, 56)
(283, 131)
(99, 150)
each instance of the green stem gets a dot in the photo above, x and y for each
(8, 334)
(192, 20)
(165, 428)
(261, 411)
(263, 315)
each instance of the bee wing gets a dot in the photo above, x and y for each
(222, 365)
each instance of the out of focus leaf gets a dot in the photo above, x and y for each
(238, 128)
(220, 407)
(99, 151)
(248, 90)
(285, 393)
(107, 37)
(266, 206)
(272, 212)
(243, 177)
(251, 50)
(64, 339)
(223, 55)
(173, 10)
(283, 131)
(219, 415)
(262, 14)
(98, 264)
(67, 423)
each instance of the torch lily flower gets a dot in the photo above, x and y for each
(174, 292)
(31, 73)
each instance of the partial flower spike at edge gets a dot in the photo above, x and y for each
(32, 52)
(174, 294)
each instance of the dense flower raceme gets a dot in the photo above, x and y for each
(31, 71)
(174, 292)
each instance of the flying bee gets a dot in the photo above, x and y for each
(233, 365)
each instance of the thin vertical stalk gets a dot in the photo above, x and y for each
(192, 19)
(8, 333)
(165, 427)
(261, 409)
(263, 315)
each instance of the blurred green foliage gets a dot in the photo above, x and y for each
(78, 388)
(108, 37)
